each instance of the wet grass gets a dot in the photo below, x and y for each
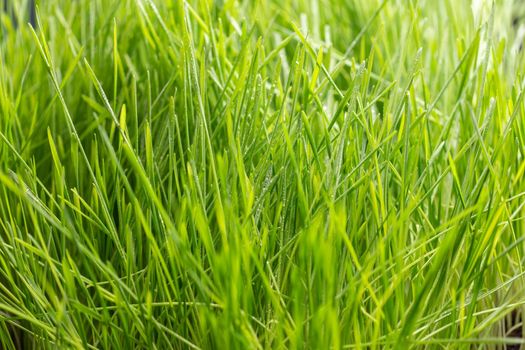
(262, 174)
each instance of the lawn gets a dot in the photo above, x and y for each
(262, 174)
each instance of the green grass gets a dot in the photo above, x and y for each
(318, 174)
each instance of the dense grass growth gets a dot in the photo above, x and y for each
(233, 174)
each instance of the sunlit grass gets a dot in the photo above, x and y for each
(262, 174)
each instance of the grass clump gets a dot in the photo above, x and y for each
(262, 174)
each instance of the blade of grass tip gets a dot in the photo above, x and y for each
(115, 63)
(105, 100)
(311, 51)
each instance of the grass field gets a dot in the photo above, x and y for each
(230, 174)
